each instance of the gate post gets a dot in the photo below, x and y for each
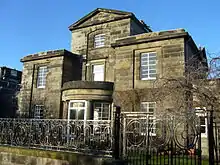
(116, 134)
(211, 138)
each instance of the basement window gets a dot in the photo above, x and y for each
(202, 115)
(99, 40)
(38, 111)
(150, 108)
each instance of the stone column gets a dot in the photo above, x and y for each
(65, 109)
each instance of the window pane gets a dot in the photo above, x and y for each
(152, 71)
(144, 55)
(98, 77)
(202, 129)
(152, 67)
(105, 116)
(152, 55)
(144, 69)
(96, 114)
(152, 61)
(72, 114)
(77, 104)
(144, 73)
(151, 104)
(202, 120)
(71, 104)
(98, 68)
(152, 75)
(144, 106)
(151, 110)
(81, 114)
(144, 61)
(106, 107)
(81, 104)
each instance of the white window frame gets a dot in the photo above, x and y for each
(203, 113)
(71, 108)
(100, 117)
(99, 72)
(150, 115)
(41, 76)
(38, 111)
(147, 66)
(99, 40)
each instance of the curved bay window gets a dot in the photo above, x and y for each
(102, 111)
(89, 110)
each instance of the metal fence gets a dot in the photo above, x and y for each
(94, 137)
(172, 140)
(137, 138)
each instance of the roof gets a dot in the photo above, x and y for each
(123, 15)
(5, 67)
(47, 54)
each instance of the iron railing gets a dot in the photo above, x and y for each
(91, 136)
(167, 139)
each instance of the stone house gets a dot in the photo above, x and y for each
(114, 58)
(10, 80)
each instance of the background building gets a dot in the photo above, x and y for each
(10, 80)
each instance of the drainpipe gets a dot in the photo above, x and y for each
(32, 84)
(87, 51)
(133, 79)
(133, 76)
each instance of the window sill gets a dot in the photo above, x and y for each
(41, 87)
(103, 47)
(149, 79)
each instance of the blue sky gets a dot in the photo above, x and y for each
(31, 26)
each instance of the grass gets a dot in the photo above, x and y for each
(165, 160)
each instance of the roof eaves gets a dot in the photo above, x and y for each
(86, 17)
(47, 54)
(133, 40)
(114, 11)
(116, 19)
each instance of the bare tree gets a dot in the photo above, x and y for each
(199, 86)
